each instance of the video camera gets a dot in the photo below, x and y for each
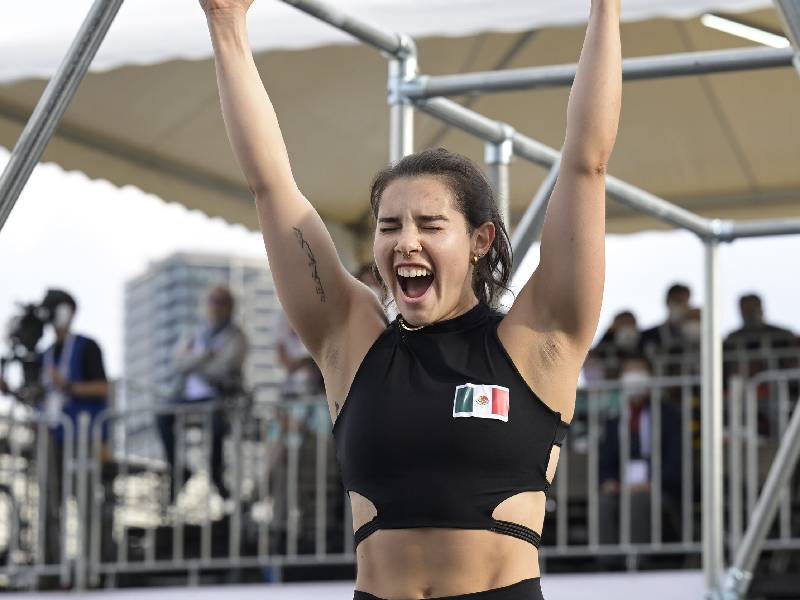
(23, 334)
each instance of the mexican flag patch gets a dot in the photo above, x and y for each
(482, 401)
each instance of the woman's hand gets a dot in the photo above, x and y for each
(225, 6)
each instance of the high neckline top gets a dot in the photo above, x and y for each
(439, 427)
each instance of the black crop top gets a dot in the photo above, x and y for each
(439, 428)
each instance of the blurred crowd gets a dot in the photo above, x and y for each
(643, 365)
(664, 360)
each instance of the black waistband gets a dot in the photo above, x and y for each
(516, 530)
(527, 589)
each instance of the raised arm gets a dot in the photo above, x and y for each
(565, 293)
(313, 286)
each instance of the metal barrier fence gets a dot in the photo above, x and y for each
(37, 472)
(286, 506)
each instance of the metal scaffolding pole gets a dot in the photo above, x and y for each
(790, 14)
(530, 225)
(732, 230)
(633, 69)
(789, 11)
(711, 423)
(402, 68)
(739, 575)
(373, 36)
(498, 157)
(401, 110)
(493, 131)
(53, 103)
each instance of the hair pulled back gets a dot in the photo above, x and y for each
(474, 199)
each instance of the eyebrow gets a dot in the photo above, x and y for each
(422, 218)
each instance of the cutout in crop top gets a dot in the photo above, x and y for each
(439, 428)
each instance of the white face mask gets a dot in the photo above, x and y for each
(635, 383)
(677, 312)
(691, 330)
(63, 316)
(626, 338)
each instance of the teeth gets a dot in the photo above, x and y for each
(412, 272)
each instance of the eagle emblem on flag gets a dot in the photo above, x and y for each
(484, 401)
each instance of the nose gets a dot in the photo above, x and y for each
(408, 242)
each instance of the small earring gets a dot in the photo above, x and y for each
(475, 259)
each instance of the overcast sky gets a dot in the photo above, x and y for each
(90, 237)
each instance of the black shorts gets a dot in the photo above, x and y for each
(527, 589)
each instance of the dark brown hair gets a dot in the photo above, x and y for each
(474, 199)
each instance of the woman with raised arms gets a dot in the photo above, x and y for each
(448, 421)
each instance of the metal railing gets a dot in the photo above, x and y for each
(286, 506)
(37, 469)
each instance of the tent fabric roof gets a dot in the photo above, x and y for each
(722, 145)
(154, 31)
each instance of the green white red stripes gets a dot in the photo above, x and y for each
(482, 401)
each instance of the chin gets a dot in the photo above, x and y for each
(418, 308)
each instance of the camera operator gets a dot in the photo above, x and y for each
(73, 381)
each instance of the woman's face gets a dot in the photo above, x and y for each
(423, 249)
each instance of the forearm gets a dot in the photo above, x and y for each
(186, 362)
(227, 361)
(249, 116)
(90, 389)
(594, 104)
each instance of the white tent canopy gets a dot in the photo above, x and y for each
(722, 145)
(152, 31)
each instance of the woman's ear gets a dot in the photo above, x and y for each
(482, 238)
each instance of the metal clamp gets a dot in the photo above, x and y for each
(501, 153)
(735, 584)
(403, 68)
(722, 230)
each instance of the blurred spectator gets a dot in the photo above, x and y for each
(209, 366)
(303, 377)
(621, 339)
(593, 369)
(668, 337)
(756, 338)
(755, 347)
(635, 382)
(366, 275)
(692, 328)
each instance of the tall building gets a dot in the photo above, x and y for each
(164, 304)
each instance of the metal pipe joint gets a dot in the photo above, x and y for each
(735, 584)
(501, 153)
(403, 68)
(722, 230)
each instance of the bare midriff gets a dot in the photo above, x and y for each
(429, 563)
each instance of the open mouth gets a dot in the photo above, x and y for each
(414, 281)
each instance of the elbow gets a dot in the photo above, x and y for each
(587, 156)
(589, 166)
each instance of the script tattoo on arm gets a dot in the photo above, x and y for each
(312, 263)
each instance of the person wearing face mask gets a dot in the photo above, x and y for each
(692, 328)
(622, 338)
(73, 381)
(667, 338)
(636, 386)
